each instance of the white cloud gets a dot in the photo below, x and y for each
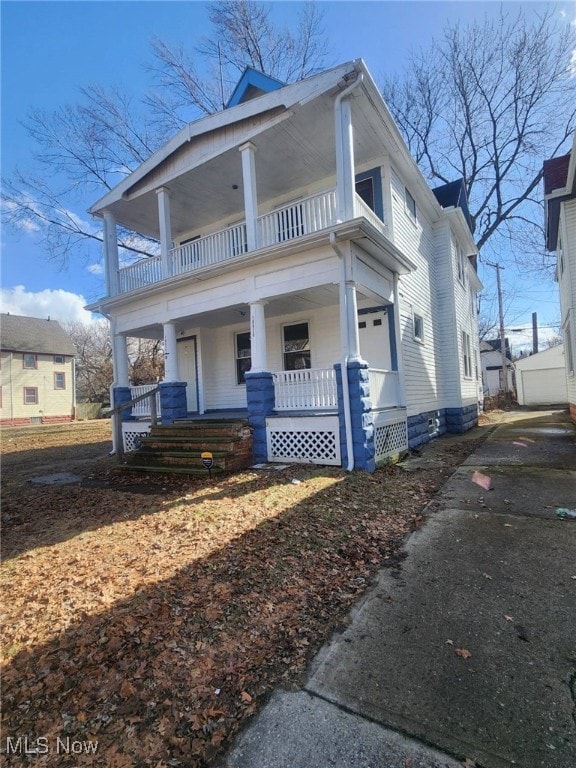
(95, 269)
(56, 304)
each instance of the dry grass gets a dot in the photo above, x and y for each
(154, 614)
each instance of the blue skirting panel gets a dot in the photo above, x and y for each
(427, 425)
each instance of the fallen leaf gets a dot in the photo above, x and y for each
(484, 481)
(508, 618)
(487, 576)
(450, 642)
(246, 697)
(463, 653)
(126, 689)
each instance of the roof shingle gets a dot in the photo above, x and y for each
(33, 334)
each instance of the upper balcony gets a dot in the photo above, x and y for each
(301, 218)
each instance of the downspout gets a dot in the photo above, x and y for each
(345, 354)
(345, 343)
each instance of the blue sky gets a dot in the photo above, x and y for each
(51, 49)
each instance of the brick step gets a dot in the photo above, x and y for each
(168, 470)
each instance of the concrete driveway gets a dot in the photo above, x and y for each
(467, 653)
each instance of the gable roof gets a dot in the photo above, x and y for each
(453, 195)
(252, 84)
(493, 345)
(32, 334)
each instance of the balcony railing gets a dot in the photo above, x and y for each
(308, 389)
(384, 388)
(302, 217)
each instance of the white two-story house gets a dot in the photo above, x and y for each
(308, 278)
(560, 208)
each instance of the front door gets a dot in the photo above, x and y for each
(374, 332)
(187, 370)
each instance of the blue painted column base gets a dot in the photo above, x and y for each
(260, 401)
(173, 401)
(362, 423)
(123, 395)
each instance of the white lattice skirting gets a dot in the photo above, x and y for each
(132, 431)
(305, 440)
(390, 435)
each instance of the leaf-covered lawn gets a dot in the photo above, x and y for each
(152, 615)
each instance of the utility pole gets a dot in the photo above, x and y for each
(497, 267)
(534, 333)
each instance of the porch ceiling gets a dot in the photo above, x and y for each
(294, 153)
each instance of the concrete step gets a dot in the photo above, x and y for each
(168, 470)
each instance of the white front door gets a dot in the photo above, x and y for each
(188, 371)
(373, 329)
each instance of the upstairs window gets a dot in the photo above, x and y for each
(418, 328)
(461, 264)
(29, 360)
(243, 356)
(410, 204)
(59, 380)
(59, 359)
(296, 346)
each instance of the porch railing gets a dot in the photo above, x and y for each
(308, 389)
(303, 217)
(384, 388)
(300, 218)
(143, 408)
(117, 417)
(210, 249)
(143, 272)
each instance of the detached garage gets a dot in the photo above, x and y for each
(541, 378)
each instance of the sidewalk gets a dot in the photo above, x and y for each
(470, 647)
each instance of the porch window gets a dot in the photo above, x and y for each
(296, 346)
(243, 356)
(369, 187)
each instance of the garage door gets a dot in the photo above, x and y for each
(544, 387)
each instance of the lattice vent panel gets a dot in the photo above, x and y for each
(132, 437)
(316, 447)
(390, 439)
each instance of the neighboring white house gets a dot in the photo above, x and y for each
(560, 201)
(491, 361)
(297, 239)
(541, 379)
(37, 371)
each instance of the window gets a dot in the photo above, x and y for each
(560, 256)
(29, 360)
(418, 328)
(461, 264)
(365, 190)
(410, 204)
(296, 346)
(369, 188)
(30, 395)
(59, 359)
(467, 355)
(59, 380)
(243, 356)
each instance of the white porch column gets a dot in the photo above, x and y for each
(111, 264)
(163, 194)
(250, 193)
(258, 336)
(170, 353)
(120, 360)
(352, 313)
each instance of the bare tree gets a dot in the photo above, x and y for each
(488, 103)
(85, 149)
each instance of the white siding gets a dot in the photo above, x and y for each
(567, 285)
(416, 238)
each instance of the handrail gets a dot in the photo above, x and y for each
(115, 412)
